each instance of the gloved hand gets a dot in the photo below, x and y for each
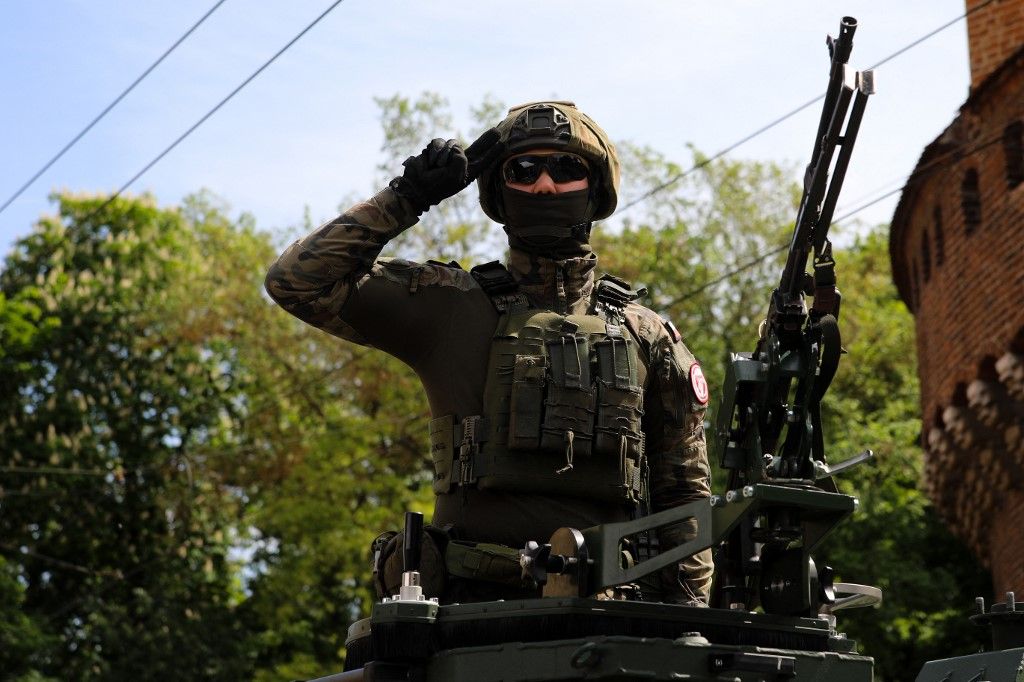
(444, 169)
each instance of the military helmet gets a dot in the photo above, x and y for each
(559, 125)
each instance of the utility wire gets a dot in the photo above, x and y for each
(110, 106)
(928, 35)
(932, 166)
(78, 568)
(955, 155)
(113, 578)
(59, 470)
(892, 183)
(719, 154)
(668, 183)
(765, 128)
(212, 111)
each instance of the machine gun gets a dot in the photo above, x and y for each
(769, 422)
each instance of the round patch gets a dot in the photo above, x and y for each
(699, 383)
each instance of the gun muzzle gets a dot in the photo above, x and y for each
(843, 45)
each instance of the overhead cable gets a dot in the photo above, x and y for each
(765, 128)
(214, 110)
(932, 166)
(106, 110)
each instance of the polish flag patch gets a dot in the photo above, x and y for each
(699, 384)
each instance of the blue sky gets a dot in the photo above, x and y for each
(305, 133)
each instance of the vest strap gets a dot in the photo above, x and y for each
(470, 434)
(499, 285)
(485, 561)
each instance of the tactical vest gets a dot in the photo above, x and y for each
(562, 403)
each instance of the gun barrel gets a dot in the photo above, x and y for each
(844, 43)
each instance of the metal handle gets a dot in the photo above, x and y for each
(411, 544)
(852, 596)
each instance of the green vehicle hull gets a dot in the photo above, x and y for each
(577, 638)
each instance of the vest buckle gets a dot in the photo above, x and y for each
(474, 433)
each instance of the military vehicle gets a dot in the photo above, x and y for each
(773, 612)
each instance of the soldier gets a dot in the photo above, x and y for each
(557, 400)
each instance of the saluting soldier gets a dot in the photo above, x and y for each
(556, 399)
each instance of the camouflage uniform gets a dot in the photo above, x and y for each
(436, 319)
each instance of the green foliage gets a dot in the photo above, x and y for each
(895, 540)
(722, 219)
(21, 635)
(357, 461)
(314, 579)
(116, 533)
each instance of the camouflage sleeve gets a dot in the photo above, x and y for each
(315, 277)
(677, 452)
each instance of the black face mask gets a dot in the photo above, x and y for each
(547, 222)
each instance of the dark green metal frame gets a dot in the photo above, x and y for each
(715, 519)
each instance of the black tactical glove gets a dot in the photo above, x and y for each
(443, 169)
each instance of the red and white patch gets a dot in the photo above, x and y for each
(699, 383)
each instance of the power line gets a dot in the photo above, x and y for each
(214, 110)
(719, 154)
(59, 471)
(955, 155)
(930, 167)
(765, 128)
(728, 275)
(61, 563)
(113, 578)
(110, 106)
(892, 183)
(928, 35)
(668, 183)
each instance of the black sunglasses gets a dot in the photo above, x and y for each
(525, 169)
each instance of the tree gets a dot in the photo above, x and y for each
(116, 533)
(928, 577)
(21, 635)
(161, 422)
(724, 218)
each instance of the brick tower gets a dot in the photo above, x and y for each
(957, 251)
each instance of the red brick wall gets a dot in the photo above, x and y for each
(1008, 547)
(969, 308)
(994, 33)
(972, 305)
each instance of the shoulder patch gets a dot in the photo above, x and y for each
(699, 384)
